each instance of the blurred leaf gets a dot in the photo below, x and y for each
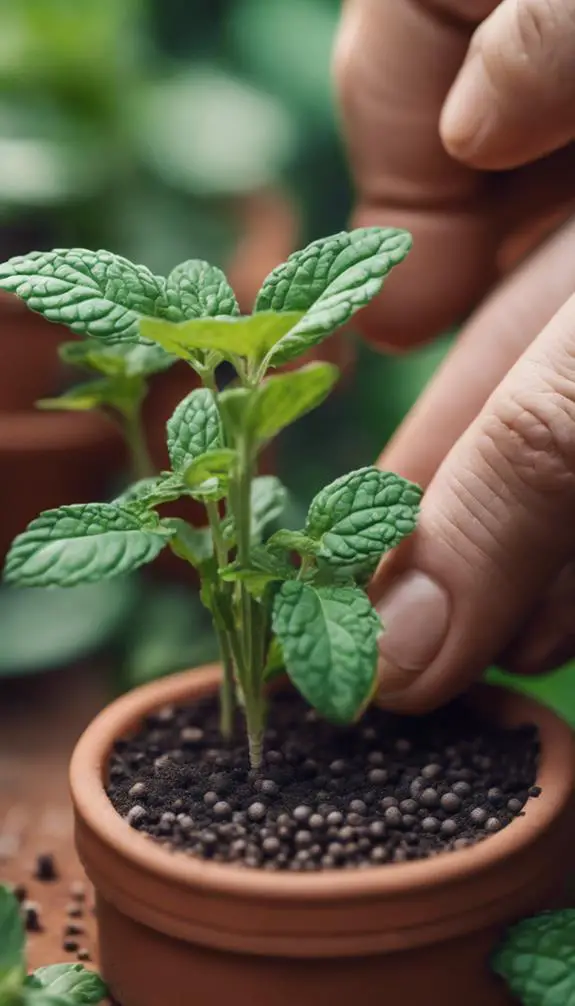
(42, 629)
(210, 133)
(55, 40)
(287, 47)
(171, 631)
(556, 690)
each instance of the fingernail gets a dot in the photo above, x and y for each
(415, 616)
(467, 115)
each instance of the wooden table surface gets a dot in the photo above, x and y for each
(40, 720)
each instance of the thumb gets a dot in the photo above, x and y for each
(496, 527)
(514, 98)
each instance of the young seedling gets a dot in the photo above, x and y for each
(55, 985)
(119, 390)
(310, 617)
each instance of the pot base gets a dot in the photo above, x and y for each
(146, 968)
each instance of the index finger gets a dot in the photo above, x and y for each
(394, 65)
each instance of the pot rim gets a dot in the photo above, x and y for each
(389, 880)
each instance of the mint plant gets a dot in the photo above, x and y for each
(55, 985)
(537, 959)
(310, 616)
(119, 389)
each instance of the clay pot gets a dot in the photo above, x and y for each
(31, 368)
(49, 459)
(175, 930)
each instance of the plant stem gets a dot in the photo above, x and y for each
(227, 688)
(142, 467)
(253, 659)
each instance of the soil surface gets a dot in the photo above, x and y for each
(388, 789)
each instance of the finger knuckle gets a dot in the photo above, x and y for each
(531, 441)
(528, 44)
(533, 19)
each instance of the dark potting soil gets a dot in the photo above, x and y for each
(388, 789)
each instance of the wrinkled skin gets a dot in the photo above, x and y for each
(459, 117)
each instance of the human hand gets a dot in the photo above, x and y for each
(491, 567)
(512, 103)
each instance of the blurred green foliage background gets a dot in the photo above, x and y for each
(140, 125)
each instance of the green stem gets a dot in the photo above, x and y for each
(142, 466)
(253, 660)
(227, 688)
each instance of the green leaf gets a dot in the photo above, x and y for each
(275, 663)
(116, 359)
(282, 399)
(331, 279)
(194, 429)
(213, 464)
(94, 293)
(71, 981)
(537, 959)
(293, 541)
(248, 336)
(268, 500)
(201, 289)
(194, 544)
(234, 404)
(329, 640)
(362, 515)
(11, 987)
(264, 568)
(11, 934)
(43, 630)
(83, 543)
(82, 398)
(115, 394)
(152, 491)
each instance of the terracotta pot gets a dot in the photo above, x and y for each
(31, 368)
(175, 930)
(49, 459)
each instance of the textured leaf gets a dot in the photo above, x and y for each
(294, 541)
(537, 959)
(268, 500)
(213, 464)
(201, 289)
(249, 336)
(154, 490)
(331, 279)
(116, 359)
(83, 543)
(264, 568)
(194, 544)
(329, 641)
(362, 515)
(72, 981)
(282, 399)
(11, 934)
(95, 293)
(34, 996)
(194, 429)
